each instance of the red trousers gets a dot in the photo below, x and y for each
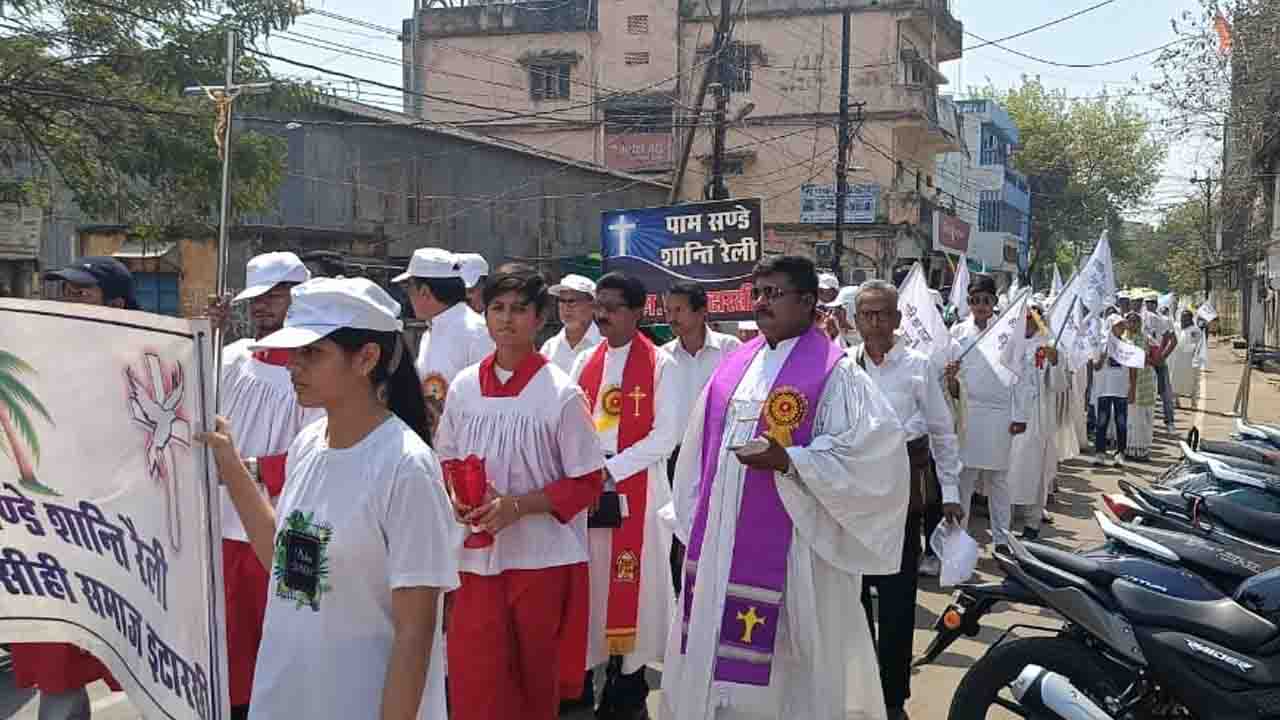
(246, 583)
(516, 642)
(56, 667)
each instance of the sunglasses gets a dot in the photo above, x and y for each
(982, 300)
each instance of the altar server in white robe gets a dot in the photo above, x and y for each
(993, 414)
(627, 382)
(790, 489)
(1033, 460)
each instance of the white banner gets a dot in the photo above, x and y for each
(1126, 353)
(110, 533)
(960, 289)
(1003, 345)
(1099, 285)
(922, 325)
(1206, 312)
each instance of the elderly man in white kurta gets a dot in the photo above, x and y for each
(993, 414)
(780, 531)
(626, 381)
(1033, 460)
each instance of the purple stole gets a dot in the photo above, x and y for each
(758, 570)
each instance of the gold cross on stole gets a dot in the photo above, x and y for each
(749, 622)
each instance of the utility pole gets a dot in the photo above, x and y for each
(842, 147)
(1207, 181)
(713, 66)
(716, 188)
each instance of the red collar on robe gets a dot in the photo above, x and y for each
(279, 358)
(492, 386)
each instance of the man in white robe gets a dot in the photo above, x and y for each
(1033, 460)
(637, 422)
(993, 414)
(842, 495)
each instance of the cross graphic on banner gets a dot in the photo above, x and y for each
(622, 227)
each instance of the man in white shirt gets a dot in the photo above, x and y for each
(458, 337)
(574, 296)
(992, 417)
(1160, 332)
(697, 350)
(626, 380)
(803, 495)
(475, 271)
(257, 396)
(828, 288)
(908, 381)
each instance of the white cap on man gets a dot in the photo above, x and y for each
(431, 263)
(828, 281)
(844, 298)
(325, 305)
(474, 267)
(577, 283)
(267, 270)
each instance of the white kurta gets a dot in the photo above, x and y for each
(1184, 366)
(1066, 439)
(848, 505)
(989, 405)
(563, 355)
(1033, 458)
(651, 453)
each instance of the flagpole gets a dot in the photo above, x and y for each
(1070, 310)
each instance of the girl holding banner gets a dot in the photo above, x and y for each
(1114, 386)
(363, 542)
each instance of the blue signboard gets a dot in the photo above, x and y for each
(714, 243)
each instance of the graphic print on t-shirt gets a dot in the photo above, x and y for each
(302, 560)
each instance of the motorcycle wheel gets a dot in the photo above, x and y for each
(985, 686)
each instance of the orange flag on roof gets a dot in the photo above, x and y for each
(1223, 28)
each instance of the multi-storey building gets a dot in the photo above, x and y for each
(613, 82)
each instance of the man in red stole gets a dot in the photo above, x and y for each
(518, 623)
(788, 489)
(257, 396)
(631, 586)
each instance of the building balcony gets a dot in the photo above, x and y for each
(923, 120)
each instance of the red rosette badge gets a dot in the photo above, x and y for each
(470, 485)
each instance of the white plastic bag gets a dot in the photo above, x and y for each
(957, 551)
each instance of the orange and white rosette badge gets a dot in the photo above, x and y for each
(434, 387)
(784, 410)
(611, 404)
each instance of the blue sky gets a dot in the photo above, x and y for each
(1119, 29)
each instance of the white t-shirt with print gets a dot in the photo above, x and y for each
(376, 518)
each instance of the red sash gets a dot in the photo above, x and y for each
(635, 422)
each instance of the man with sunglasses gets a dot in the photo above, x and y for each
(574, 296)
(992, 417)
(629, 384)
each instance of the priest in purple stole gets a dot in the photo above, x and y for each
(788, 490)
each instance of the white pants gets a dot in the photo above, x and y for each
(999, 499)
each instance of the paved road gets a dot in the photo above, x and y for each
(1080, 489)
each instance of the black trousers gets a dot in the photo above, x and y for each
(932, 513)
(896, 608)
(622, 693)
(677, 547)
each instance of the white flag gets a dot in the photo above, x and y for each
(1056, 287)
(1004, 344)
(1126, 353)
(1099, 285)
(922, 326)
(1084, 345)
(960, 289)
(1064, 314)
(1206, 312)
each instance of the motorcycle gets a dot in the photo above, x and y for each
(1143, 636)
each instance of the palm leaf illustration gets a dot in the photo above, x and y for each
(17, 403)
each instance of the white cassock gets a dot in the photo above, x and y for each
(989, 405)
(847, 503)
(651, 453)
(1033, 458)
(1184, 365)
(1068, 443)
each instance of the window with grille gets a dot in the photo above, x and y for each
(636, 58)
(549, 81)
(637, 24)
(738, 63)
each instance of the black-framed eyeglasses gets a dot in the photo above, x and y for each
(608, 307)
(769, 294)
(982, 300)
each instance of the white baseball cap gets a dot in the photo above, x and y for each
(574, 282)
(270, 269)
(844, 298)
(828, 281)
(431, 263)
(474, 267)
(748, 325)
(324, 305)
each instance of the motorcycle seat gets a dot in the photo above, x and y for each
(1221, 620)
(1078, 565)
(1263, 526)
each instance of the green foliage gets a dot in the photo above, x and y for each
(1186, 249)
(1089, 161)
(93, 95)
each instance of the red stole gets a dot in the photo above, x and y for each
(635, 422)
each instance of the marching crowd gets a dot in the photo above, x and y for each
(490, 530)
